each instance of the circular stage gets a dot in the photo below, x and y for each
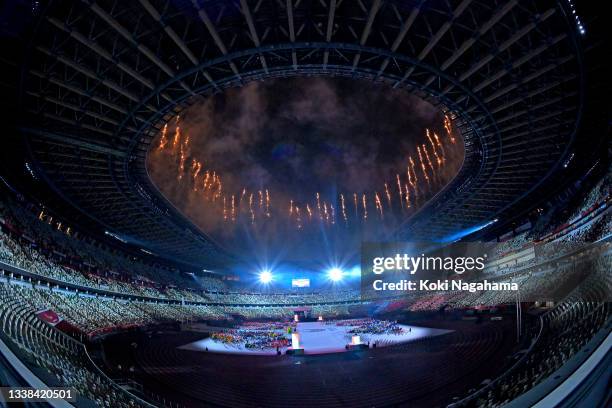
(318, 338)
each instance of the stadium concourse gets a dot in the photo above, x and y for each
(191, 192)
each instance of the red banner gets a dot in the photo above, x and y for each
(49, 316)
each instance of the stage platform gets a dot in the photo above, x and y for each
(321, 338)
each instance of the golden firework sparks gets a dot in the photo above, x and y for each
(233, 208)
(224, 210)
(399, 190)
(433, 148)
(408, 205)
(267, 203)
(356, 205)
(164, 138)
(309, 211)
(365, 206)
(343, 208)
(424, 170)
(290, 208)
(378, 204)
(409, 175)
(439, 144)
(319, 207)
(414, 175)
(260, 199)
(448, 127)
(251, 209)
(388, 194)
(219, 187)
(213, 180)
(215, 187)
(206, 177)
(198, 168)
(326, 214)
(429, 163)
(177, 137)
(241, 197)
(181, 168)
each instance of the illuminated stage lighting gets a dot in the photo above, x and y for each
(265, 277)
(335, 274)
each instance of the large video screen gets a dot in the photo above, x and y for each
(300, 283)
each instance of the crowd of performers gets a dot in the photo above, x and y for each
(253, 338)
(285, 326)
(371, 326)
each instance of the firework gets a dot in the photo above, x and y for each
(219, 188)
(224, 210)
(196, 172)
(233, 208)
(365, 206)
(177, 137)
(241, 197)
(164, 138)
(213, 180)
(388, 194)
(319, 207)
(267, 203)
(251, 209)
(439, 144)
(333, 214)
(309, 211)
(423, 169)
(378, 204)
(343, 208)
(408, 205)
(414, 175)
(399, 190)
(206, 179)
(181, 164)
(290, 208)
(448, 127)
(412, 179)
(356, 205)
(429, 163)
(260, 199)
(433, 148)
(325, 213)
(298, 217)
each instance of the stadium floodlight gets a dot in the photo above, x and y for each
(265, 277)
(335, 274)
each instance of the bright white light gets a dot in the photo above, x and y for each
(335, 274)
(265, 277)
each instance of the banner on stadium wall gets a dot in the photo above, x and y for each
(49, 316)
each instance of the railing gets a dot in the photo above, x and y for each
(558, 313)
(508, 372)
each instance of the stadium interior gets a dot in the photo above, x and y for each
(190, 190)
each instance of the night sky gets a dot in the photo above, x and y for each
(297, 137)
